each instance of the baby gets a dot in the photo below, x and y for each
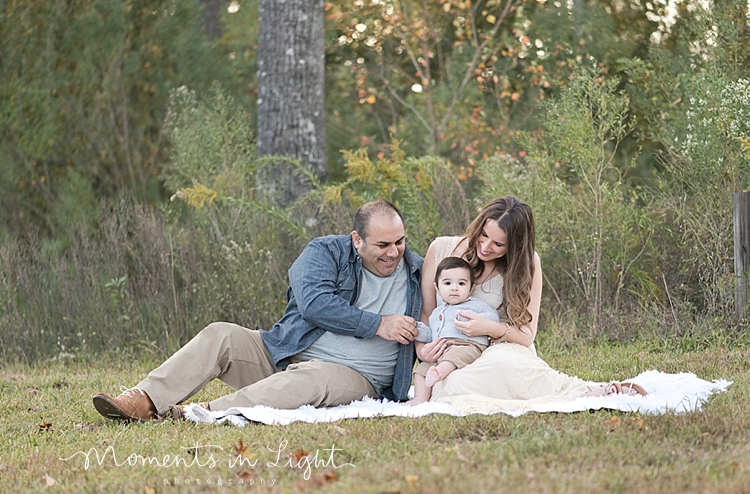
(454, 281)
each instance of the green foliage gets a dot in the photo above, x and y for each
(424, 189)
(212, 145)
(592, 234)
(84, 99)
(704, 166)
(212, 142)
(215, 160)
(694, 96)
(94, 108)
(419, 69)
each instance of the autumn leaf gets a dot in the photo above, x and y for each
(149, 490)
(613, 423)
(49, 481)
(319, 480)
(240, 448)
(247, 475)
(45, 426)
(299, 454)
(411, 480)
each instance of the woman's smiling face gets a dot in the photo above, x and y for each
(492, 242)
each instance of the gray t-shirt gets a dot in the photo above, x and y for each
(374, 358)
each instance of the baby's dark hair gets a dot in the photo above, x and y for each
(452, 263)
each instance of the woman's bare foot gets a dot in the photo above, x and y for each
(433, 375)
(414, 402)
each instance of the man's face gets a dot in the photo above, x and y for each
(383, 247)
(454, 285)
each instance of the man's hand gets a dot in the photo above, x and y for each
(397, 328)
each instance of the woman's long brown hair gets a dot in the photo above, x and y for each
(517, 265)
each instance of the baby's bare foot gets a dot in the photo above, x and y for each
(433, 375)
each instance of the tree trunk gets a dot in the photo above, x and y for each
(291, 93)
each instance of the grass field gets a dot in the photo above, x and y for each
(53, 439)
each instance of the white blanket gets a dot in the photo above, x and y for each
(675, 393)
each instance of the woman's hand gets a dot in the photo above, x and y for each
(430, 352)
(476, 325)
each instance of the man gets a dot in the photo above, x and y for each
(346, 333)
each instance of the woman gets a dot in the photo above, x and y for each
(499, 245)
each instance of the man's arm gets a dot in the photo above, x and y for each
(314, 280)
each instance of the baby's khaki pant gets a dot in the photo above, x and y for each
(238, 356)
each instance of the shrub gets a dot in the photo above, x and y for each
(593, 233)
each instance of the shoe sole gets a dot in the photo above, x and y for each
(108, 409)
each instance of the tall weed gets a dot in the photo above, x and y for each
(593, 234)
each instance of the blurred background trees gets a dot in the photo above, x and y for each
(621, 123)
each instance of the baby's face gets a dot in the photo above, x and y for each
(454, 286)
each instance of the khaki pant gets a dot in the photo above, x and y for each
(238, 356)
(459, 352)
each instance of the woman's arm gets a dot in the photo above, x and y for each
(429, 292)
(429, 352)
(525, 335)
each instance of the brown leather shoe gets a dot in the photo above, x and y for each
(132, 404)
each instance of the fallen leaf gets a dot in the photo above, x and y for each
(247, 475)
(321, 479)
(45, 426)
(411, 480)
(613, 423)
(330, 475)
(32, 391)
(299, 454)
(240, 448)
(150, 490)
(49, 481)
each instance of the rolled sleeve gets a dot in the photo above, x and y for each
(368, 325)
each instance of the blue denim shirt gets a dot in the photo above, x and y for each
(323, 286)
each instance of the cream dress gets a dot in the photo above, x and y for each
(507, 377)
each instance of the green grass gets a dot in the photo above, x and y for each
(707, 451)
